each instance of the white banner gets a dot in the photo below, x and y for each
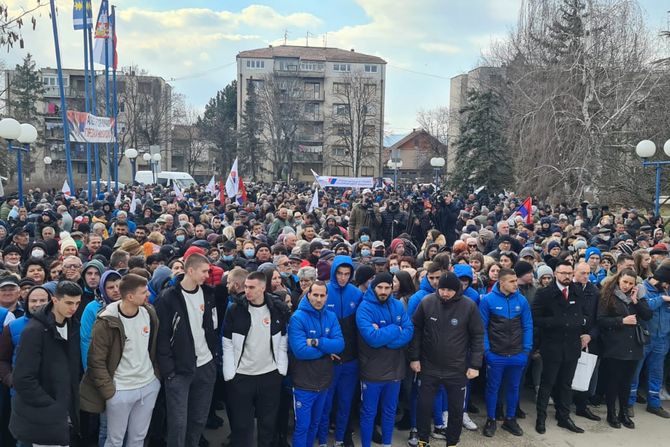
(344, 182)
(87, 128)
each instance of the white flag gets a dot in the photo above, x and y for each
(315, 201)
(119, 200)
(233, 182)
(177, 191)
(211, 187)
(66, 189)
(133, 204)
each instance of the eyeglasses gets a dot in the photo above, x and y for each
(563, 273)
(71, 267)
(472, 245)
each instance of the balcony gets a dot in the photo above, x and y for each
(53, 91)
(309, 138)
(309, 74)
(312, 116)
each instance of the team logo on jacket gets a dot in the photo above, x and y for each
(398, 318)
(145, 330)
(327, 330)
(266, 322)
(202, 308)
(517, 308)
(298, 404)
(454, 321)
(352, 304)
(382, 322)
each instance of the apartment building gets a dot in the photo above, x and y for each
(340, 115)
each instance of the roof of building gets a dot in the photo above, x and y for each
(409, 137)
(311, 54)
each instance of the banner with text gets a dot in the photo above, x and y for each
(345, 182)
(88, 128)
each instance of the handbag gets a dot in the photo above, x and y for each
(641, 335)
(584, 371)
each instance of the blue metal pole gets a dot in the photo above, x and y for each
(96, 149)
(107, 105)
(63, 105)
(116, 104)
(87, 96)
(658, 190)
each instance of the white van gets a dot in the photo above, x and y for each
(165, 178)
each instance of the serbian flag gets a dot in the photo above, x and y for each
(233, 182)
(242, 194)
(211, 186)
(525, 210)
(66, 190)
(103, 32)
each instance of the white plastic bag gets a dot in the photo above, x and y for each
(584, 371)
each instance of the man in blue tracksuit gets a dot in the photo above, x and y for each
(313, 336)
(384, 330)
(656, 294)
(343, 300)
(508, 340)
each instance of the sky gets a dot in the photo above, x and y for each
(193, 43)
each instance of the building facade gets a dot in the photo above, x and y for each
(144, 120)
(335, 99)
(415, 151)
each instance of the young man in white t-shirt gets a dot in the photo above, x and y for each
(121, 377)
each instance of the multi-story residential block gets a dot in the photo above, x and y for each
(333, 100)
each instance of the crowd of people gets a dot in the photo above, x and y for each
(133, 320)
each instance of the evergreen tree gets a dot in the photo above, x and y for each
(26, 90)
(219, 125)
(250, 147)
(481, 155)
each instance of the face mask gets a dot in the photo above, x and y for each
(298, 222)
(249, 252)
(79, 244)
(394, 269)
(227, 258)
(39, 254)
(365, 238)
(365, 252)
(181, 238)
(284, 274)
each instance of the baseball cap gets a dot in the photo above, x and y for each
(9, 280)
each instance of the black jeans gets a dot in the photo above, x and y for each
(617, 382)
(428, 386)
(188, 398)
(249, 397)
(556, 376)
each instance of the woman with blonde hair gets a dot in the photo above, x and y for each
(153, 243)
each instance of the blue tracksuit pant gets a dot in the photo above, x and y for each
(505, 369)
(345, 379)
(308, 408)
(371, 395)
(654, 354)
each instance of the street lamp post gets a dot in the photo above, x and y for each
(437, 163)
(11, 130)
(147, 158)
(132, 156)
(157, 160)
(646, 149)
(47, 164)
(395, 165)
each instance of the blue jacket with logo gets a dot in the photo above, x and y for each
(311, 366)
(659, 325)
(381, 349)
(508, 323)
(425, 289)
(343, 302)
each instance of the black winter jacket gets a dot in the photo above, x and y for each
(175, 349)
(448, 337)
(618, 340)
(46, 381)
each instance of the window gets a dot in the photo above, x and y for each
(370, 68)
(341, 170)
(52, 81)
(340, 109)
(312, 90)
(312, 66)
(369, 130)
(339, 151)
(342, 67)
(342, 130)
(370, 110)
(122, 107)
(340, 88)
(312, 110)
(289, 64)
(367, 171)
(370, 90)
(256, 83)
(255, 64)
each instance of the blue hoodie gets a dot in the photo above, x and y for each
(161, 275)
(425, 289)
(464, 270)
(508, 323)
(381, 355)
(343, 302)
(90, 313)
(659, 325)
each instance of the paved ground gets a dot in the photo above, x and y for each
(650, 431)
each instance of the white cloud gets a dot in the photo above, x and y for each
(440, 47)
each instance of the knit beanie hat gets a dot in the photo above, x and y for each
(544, 270)
(94, 263)
(522, 268)
(552, 245)
(65, 243)
(363, 273)
(383, 277)
(662, 273)
(449, 281)
(592, 251)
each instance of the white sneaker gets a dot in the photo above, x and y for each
(468, 423)
(664, 395)
(445, 418)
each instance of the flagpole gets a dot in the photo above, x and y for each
(87, 102)
(107, 111)
(94, 108)
(63, 105)
(116, 103)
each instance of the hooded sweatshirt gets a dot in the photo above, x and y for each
(465, 271)
(344, 301)
(425, 289)
(90, 312)
(161, 276)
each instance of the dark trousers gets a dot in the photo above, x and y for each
(617, 382)
(249, 397)
(556, 376)
(428, 388)
(188, 398)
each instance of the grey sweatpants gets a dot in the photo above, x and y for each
(188, 398)
(130, 411)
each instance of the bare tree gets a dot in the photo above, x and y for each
(355, 121)
(436, 123)
(12, 25)
(188, 142)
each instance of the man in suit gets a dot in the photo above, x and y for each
(561, 318)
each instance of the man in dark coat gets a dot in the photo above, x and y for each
(45, 409)
(561, 319)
